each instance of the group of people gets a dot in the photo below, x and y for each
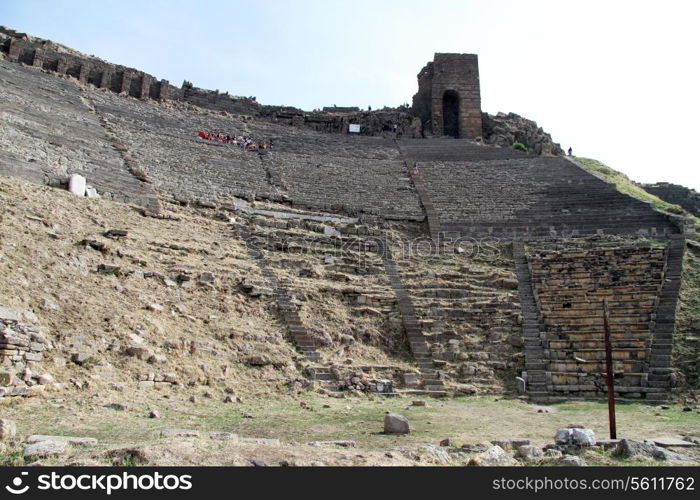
(243, 141)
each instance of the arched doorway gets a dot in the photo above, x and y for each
(450, 113)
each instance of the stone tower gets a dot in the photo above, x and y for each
(448, 101)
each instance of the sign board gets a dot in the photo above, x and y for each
(354, 128)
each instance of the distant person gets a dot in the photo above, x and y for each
(570, 152)
(202, 135)
(415, 167)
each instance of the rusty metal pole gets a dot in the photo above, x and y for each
(609, 370)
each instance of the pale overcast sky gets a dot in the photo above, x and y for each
(616, 80)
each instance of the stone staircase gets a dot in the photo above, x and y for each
(423, 194)
(416, 339)
(665, 320)
(287, 308)
(468, 313)
(535, 364)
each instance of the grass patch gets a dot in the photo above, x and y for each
(625, 185)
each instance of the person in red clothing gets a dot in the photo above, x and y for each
(202, 135)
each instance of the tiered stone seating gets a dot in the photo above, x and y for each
(49, 132)
(444, 149)
(338, 285)
(469, 314)
(570, 281)
(478, 190)
(162, 140)
(304, 168)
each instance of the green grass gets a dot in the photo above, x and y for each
(626, 185)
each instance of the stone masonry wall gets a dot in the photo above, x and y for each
(450, 72)
(571, 279)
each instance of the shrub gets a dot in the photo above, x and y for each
(520, 147)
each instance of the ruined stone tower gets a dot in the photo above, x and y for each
(448, 101)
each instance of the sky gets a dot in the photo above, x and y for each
(615, 80)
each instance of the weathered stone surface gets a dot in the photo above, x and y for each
(628, 448)
(76, 184)
(263, 441)
(8, 429)
(666, 442)
(179, 433)
(576, 436)
(117, 406)
(396, 424)
(571, 461)
(6, 378)
(493, 457)
(434, 454)
(75, 440)
(45, 449)
(223, 436)
(528, 452)
(342, 443)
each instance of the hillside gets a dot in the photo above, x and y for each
(284, 283)
(626, 185)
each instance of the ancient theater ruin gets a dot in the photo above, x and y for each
(422, 254)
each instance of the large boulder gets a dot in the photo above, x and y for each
(493, 457)
(627, 448)
(395, 424)
(45, 449)
(577, 436)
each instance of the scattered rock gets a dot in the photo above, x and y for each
(493, 457)
(157, 358)
(628, 448)
(48, 305)
(223, 436)
(528, 452)
(665, 442)
(116, 234)
(8, 429)
(7, 378)
(258, 463)
(475, 448)
(153, 414)
(259, 360)
(45, 379)
(511, 443)
(395, 424)
(467, 389)
(418, 402)
(576, 436)
(341, 443)
(80, 441)
(167, 433)
(435, 454)
(571, 461)
(117, 406)
(45, 449)
(80, 358)
(264, 441)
